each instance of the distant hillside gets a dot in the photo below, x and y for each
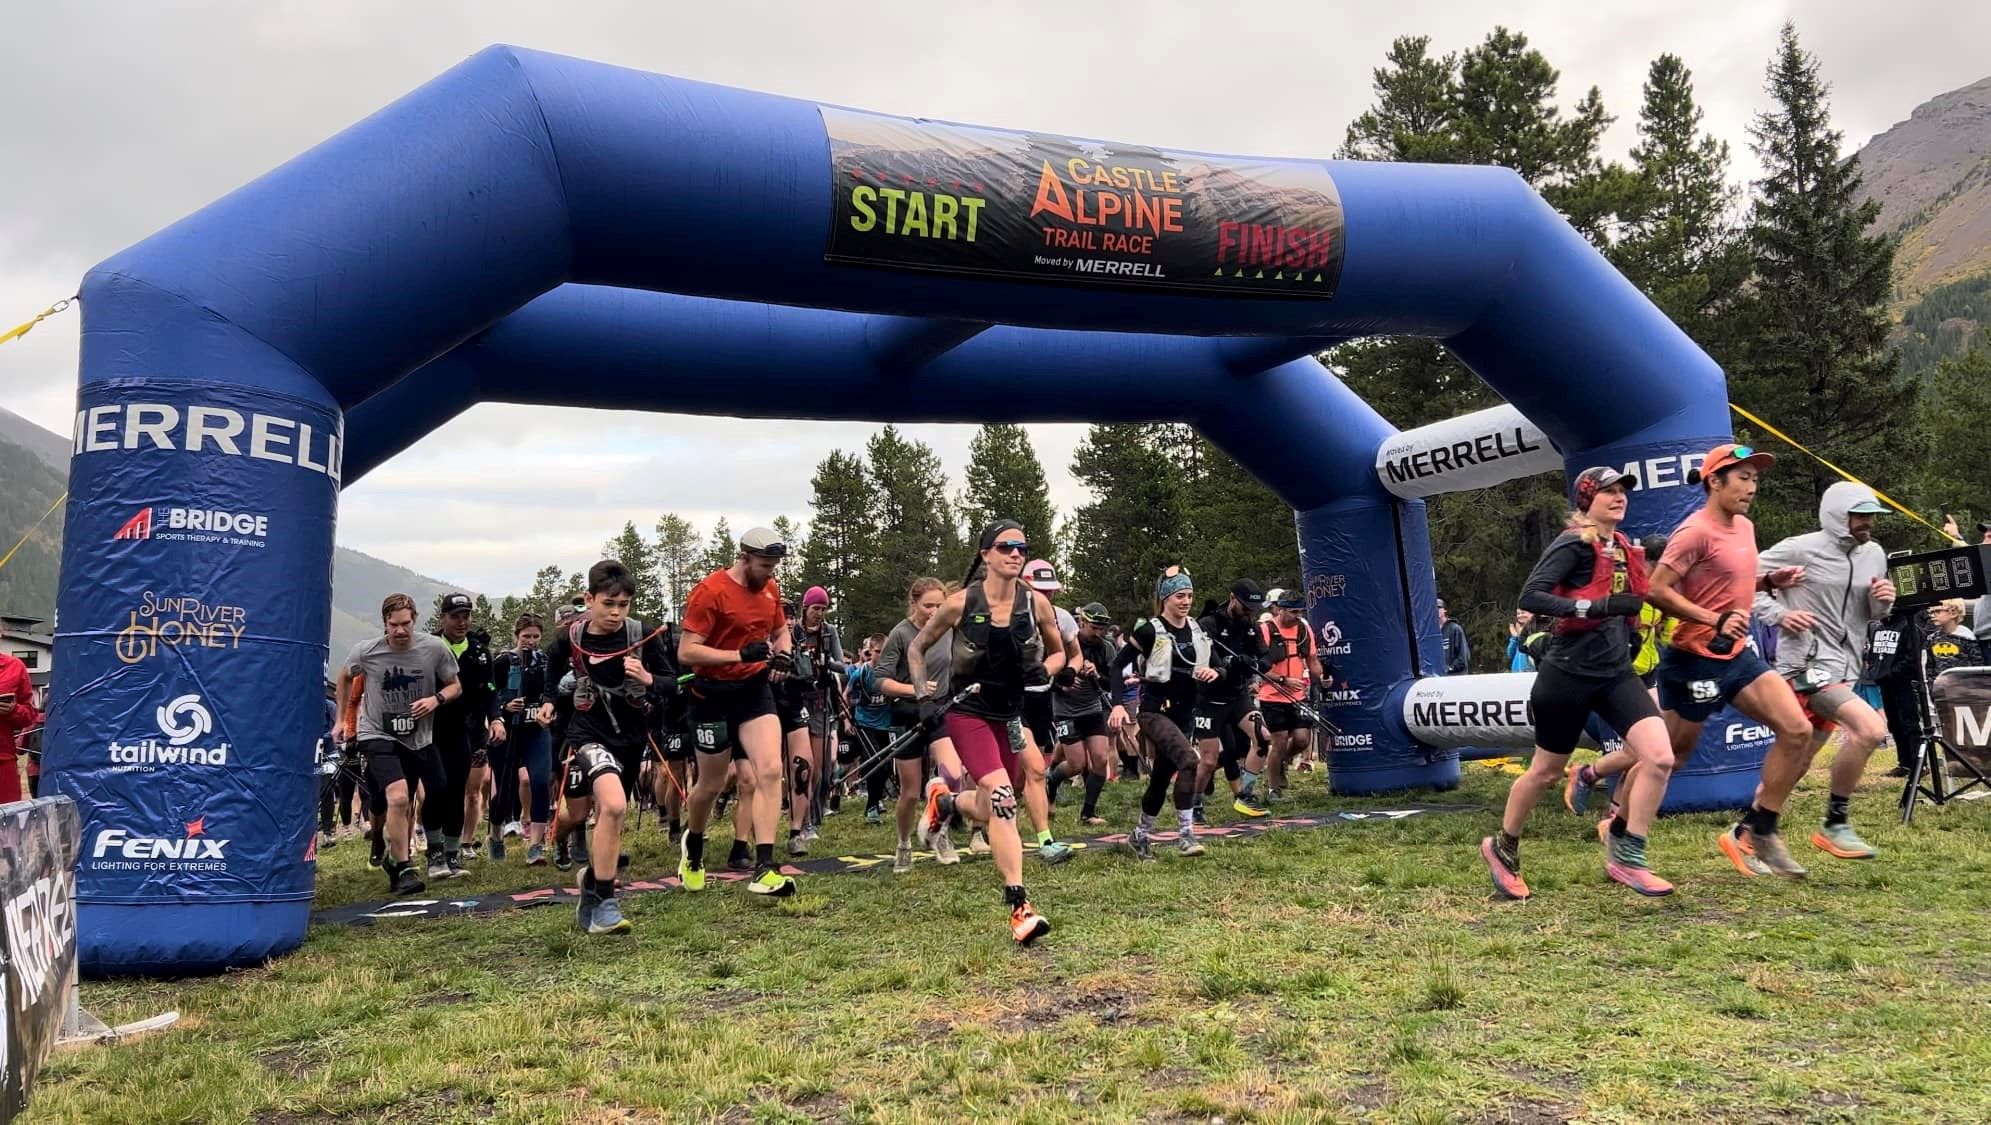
(1932, 176)
(34, 466)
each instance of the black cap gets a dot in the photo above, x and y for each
(456, 603)
(1984, 525)
(1292, 599)
(1095, 613)
(1249, 593)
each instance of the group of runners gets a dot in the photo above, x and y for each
(987, 698)
(1821, 591)
(977, 708)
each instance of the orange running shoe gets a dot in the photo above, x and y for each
(1507, 881)
(935, 790)
(1026, 925)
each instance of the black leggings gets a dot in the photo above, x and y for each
(1564, 701)
(1233, 747)
(335, 797)
(454, 753)
(1174, 758)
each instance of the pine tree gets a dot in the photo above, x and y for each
(639, 558)
(1006, 481)
(1237, 527)
(720, 550)
(1956, 477)
(507, 617)
(788, 573)
(1814, 360)
(843, 528)
(1495, 104)
(677, 556)
(545, 599)
(1132, 528)
(914, 528)
(1677, 236)
(484, 618)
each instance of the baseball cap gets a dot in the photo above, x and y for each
(763, 542)
(1042, 577)
(1292, 599)
(456, 603)
(1596, 479)
(1728, 453)
(1868, 505)
(1095, 614)
(1248, 594)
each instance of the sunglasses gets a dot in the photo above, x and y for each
(1010, 546)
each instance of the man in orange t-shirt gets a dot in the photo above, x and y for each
(736, 641)
(1707, 579)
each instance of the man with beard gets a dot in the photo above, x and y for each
(1222, 706)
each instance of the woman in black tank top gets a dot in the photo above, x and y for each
(993, 617)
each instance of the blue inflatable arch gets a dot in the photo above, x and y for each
(539, 229)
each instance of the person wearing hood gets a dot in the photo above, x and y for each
(1822, 625)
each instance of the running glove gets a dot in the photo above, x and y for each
(781, 662)
(931, 713)
(754, 653)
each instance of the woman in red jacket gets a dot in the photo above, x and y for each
(17, 716)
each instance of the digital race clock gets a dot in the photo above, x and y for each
(1934, 576)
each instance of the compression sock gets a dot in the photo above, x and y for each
(1013, 897)
(1618, 826)
(694, 849)
(1761, 821)
(1247, 783)
(1044, 837)
(1147, 822)
(764, 856)
(1094, 782)
(1185, 821)
(1835, 810)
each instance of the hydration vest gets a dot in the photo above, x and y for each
(1276, 652)
(1161, 657)
(585, 687)
(971, 636)
(1602, 575)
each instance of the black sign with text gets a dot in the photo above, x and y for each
(38, 842)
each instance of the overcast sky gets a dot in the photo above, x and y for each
(122, 118)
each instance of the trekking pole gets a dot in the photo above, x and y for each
(902, 739)
(1285, 693)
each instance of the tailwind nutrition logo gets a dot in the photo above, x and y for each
(181, 722)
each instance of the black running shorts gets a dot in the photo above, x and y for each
(1564, 701)
(1079, 728)
(719, 708)
(591, 761)
(1283, 717)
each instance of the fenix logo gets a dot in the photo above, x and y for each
(1747, 732)
(195, 845)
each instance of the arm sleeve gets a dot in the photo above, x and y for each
(558, 657)
(1138, 644)
(1554, 569)
(1464, 654)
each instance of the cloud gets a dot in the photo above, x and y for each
(132, 115)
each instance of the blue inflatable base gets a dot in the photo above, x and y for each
(1724, 787)
(156, 940)
(1355, 773)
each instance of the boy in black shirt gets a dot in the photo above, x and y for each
(622, 676)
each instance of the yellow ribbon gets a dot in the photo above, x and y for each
(1882, 496)
(21, 330)
(9, 556)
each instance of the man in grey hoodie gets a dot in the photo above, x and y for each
(1822, 628)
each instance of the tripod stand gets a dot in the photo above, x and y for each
(1958, 695)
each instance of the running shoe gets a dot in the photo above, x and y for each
(1093, 820)
(902, 859)
(772, 882)
(1187, 844)
(1507, 881)
(1142, 843)
(377, 855)
(584, 911)
(1774, 856)
(607, 918)
(1577, 790)
(535, 855)
(1624, 862)
(1840, 840)
(798, 844)
(327, 840)
(1197, 818)
(1244, 808)
(409, 882)
(1274, 796)
(935, 816)
(438, 867)
(1026, 925)
(741, 858)
(978, 843)
(1054, 852)
(498, 848)
(944, 852)
(812, 833)
(513, 829)
(456, 870)
(874, 815)
(469, 850)
(693, 878)
(1739, 853)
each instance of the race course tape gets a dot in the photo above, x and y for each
(364, 913)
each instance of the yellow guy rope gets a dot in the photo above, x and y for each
(21, 330)
(9, 556)
(1800, 447)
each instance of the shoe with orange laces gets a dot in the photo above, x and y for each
(1506, 870)
(1026, 925)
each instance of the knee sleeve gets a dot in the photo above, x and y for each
(798, 769)
(1002, 803)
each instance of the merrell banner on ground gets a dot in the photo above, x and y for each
(38, 900)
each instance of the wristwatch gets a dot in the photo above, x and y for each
(1582, 607)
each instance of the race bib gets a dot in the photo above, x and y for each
(1704, 691)
(401, 724)
(711, 737)
(1066, 730)
(1204, 724)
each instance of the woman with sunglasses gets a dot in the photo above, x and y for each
(1174, 657)
(994, 618)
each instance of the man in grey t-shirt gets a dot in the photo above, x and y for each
(402, 677)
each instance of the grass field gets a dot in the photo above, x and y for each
(1351, 973)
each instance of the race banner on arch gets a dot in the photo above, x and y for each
(955, 199)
